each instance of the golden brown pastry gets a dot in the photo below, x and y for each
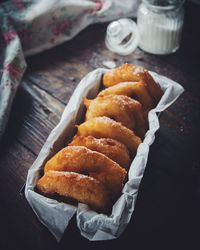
(132, 73)
(104, 127)
(113, 149)
(136, 90)
(82, 160)
(79, 187)
(91, 169)
(120, 108)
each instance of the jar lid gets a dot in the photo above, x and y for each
(122, 36)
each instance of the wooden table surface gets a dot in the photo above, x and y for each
(168, 205)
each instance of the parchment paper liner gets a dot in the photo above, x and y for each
(93, 226)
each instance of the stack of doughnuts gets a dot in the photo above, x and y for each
(92, 168)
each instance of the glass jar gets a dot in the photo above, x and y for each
(160, 24)
(122, 36)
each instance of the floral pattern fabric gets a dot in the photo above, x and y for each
(28, 27)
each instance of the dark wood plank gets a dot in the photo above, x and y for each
(35, 113)
(15, 214)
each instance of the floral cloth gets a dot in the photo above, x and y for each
(31, 26)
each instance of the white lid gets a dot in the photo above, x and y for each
(122, 36)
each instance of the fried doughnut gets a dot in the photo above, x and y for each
(131, 73)
(136, 90)
(107, 128)
(79, 187)
(85, 161)
(113, 149)
(120, 108)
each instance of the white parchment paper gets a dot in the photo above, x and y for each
(93, 226)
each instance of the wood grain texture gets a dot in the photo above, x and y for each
(167, 208)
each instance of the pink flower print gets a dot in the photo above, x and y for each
(12, 70)
(19, 4)
(99, 4)
(60, 27)
(54, 18)
(52, 40)
(9, 35)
